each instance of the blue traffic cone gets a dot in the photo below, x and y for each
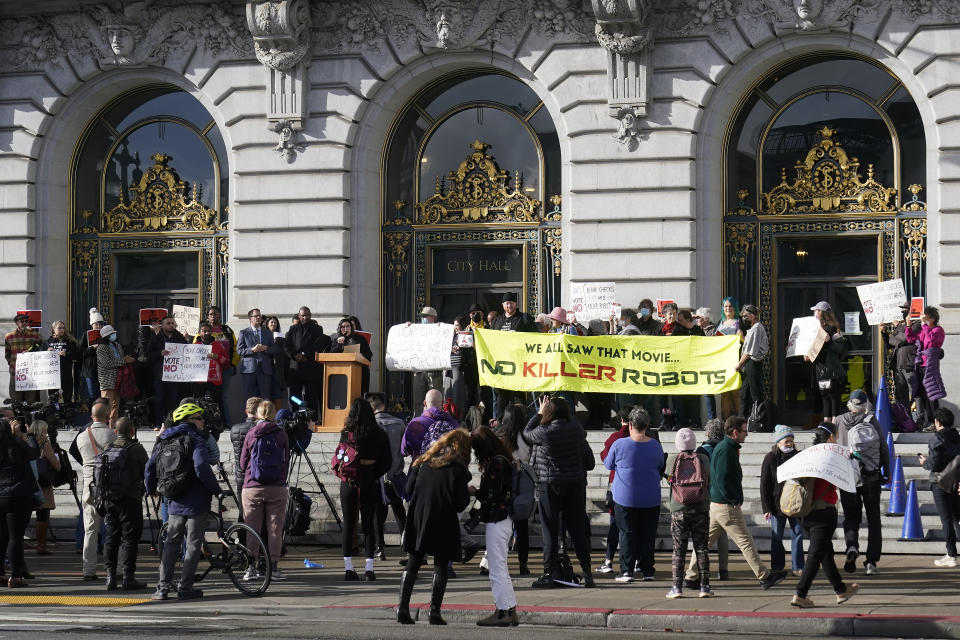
(883, 410)
(897, 490)
(912, 527)
(892, 454)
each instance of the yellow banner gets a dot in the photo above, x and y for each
(688, 365)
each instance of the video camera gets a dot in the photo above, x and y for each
(139, 412)
(298, 425)
(56, 414)
(212, 416)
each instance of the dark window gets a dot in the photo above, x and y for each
(827, 257)
(170, 271)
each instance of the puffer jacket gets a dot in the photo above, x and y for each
(561, 453)
(943, 447)
(238, 433)
(932, 380)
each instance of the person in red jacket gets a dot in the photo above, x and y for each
(613, 533)
(219, 360)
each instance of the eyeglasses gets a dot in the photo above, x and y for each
(256, 316)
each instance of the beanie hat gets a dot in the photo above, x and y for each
(95, 315)
(685, 440)
(782, 431)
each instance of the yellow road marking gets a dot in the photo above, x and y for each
(72, 601)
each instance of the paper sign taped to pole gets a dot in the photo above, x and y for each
(592, 300)
(828, 461)
(37, 370)
(806, 338)
(186, 362)
(419, 347)
(881, 301)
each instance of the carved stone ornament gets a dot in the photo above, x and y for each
(281, 31)
(287, 146)
(159, 203)
(828, 180)
(479, 190)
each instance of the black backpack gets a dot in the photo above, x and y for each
(108, 476)
(298, 512)
(175, 472)
(66, 474)
(763, 417)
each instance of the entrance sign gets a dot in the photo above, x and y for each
(419, 347)
(186, 362)
(592, 300)
(491, 264)
(806, 338)
(687, 365)
(830, 462)
(881, 301)
(37, 370)
(188, 319)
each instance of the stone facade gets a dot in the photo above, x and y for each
(305, 92)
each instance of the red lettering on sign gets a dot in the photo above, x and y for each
(603, 371)
(564, 372)
(588, 371)
(528, 369)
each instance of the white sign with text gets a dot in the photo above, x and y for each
(806, 338)
(830, 462)
(881, 301)
(186, 362)
(188, 319)
(37, 370)
(419, 347)
(592, 300)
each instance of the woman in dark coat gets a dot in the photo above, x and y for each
(347, 336)
(783, 449)
(437, 487)
(17, 488)
(66, 346)
(828, 373)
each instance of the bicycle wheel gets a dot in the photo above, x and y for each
(243, 547)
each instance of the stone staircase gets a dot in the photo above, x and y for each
(324, 528)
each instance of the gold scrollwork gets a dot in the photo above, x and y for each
(742, 209)
(914, 234)
(828, 180)
(399, 218)
(478, 191)
(159, 203)
(740, 239)
(85, 261)
(553, 238)
(555, 214)
(915, 203)
(397, 244)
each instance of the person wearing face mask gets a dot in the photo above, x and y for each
(770, 490)
(756, 347)
(110, 358)
(468, 361)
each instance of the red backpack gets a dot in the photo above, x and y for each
(687, 482)
(344, 463)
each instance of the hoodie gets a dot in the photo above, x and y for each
(264, 428)
(196, 500)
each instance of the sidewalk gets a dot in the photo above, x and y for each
(909, 597)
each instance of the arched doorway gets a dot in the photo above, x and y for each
(471, 204)
(823, 171)
(148, 213)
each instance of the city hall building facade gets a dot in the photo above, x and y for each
(370, 158)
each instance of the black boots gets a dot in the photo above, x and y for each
(407, 581)
(112, 579)
(436, 598)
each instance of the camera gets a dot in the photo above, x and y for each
(473, 520)
(297, 426)
(212, 416)
(138, 411)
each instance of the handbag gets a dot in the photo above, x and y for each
(127, 383)
(950, 476)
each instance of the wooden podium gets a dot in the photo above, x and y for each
(342, 375)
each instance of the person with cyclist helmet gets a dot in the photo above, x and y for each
(179, 470)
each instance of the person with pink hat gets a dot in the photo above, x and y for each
(559, 323)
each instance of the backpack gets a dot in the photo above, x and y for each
(763, 416)
(688, 485)
(175, 472)
(901, 418)
(266, 461)
(523, 491)
(66, 474)
(434, 432)
(864, 439)
(108, 476)
(344, 463)
(298, 512)
(797, 497)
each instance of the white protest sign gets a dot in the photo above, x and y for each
(419, 347)
(806, 338)
(592, 300)
(186, 362)
(881, 301)
(188, 319)
(830, 462)
(37, 370)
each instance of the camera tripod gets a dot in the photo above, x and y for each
(300, 455)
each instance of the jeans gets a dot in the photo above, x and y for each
(179, 527)
(818, 527)
(711, 401)
(363, 499)
(777, 554)
(14, 516)
(948, 508)
(867, 497)
(613, 537)
(568, 499)
(729, 518)
(124, 522)
(638, 537)
(92, 387)
(695, 526)
(498, 542)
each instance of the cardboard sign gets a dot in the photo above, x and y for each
(186, 362)
(188, 319)
(93, 336)
(806, 338)
(592, 300)
(881, 301)
(661, 303)
(36, 317)
(149, 316)
(37, 370)
(419, 347)
(830, 462)
(916, 308)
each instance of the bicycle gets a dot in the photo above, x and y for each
(241, 549)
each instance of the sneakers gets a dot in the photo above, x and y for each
(946, 561)
(649, 577)
(706, 592)
(849, 593)
(796, 573)
(851, 564)
(674, 593)
(276, 574)
(159, 594)
(773, 579)
(871, 568)
(801, 603)
(606, 567)
(626, 577)
(189, 594)
(252, 574)
(544, 582)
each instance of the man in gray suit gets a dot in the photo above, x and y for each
(256, 348)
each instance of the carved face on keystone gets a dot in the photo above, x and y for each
(450, 22)
(808, 9)
(121, 41)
